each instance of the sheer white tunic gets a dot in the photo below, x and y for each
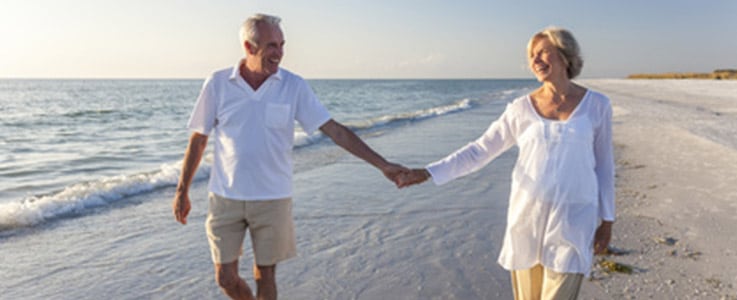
(562, 183)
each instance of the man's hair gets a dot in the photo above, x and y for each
(567, 46)
(249, 30)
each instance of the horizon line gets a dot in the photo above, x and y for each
(306, 78)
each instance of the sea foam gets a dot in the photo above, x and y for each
(80, 197)
(302, 139)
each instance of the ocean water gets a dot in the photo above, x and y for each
(68, 146)
(88, 167)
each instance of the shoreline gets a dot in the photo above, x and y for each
(675, 191)
(361, 238)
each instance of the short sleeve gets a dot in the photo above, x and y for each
(310, 113)
(203, 117)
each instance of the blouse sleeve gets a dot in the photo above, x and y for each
(604, 154)
(477, 154)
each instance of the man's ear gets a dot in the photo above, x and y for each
(250, 48)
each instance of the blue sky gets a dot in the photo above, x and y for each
(360, 38)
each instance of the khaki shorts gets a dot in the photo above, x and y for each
(269, 223)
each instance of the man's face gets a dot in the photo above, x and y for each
(270, 49)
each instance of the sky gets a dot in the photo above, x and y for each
(360, 38)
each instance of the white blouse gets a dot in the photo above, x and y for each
(562, 183)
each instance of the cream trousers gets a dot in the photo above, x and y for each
(539, 283)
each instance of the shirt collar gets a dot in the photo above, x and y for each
(236, 72)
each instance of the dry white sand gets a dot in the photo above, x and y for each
(676, 148)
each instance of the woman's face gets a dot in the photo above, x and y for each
(546, 62)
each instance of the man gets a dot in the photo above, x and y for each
(250, 110)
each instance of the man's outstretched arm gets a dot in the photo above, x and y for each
(345, 138)
(192, 158)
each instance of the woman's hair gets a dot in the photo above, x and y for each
(248, 30)
(567, 46)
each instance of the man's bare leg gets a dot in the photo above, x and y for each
(231, 283)
(265, 281)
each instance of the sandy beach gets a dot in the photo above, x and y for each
(676, 156)
(676, 152)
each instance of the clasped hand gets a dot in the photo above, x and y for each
(404, 177)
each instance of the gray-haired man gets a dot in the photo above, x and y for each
(250, 110)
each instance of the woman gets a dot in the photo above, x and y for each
(561, 205)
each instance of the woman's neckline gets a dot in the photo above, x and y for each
(573, 113)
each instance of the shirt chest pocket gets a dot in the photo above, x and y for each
(277, 115)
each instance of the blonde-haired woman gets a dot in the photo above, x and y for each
(561, 207)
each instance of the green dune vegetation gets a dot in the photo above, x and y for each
(717, 74)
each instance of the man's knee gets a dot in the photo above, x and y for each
(264, 273)
(226, 277)
(227, 282)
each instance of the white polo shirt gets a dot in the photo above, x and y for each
(253, 131)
